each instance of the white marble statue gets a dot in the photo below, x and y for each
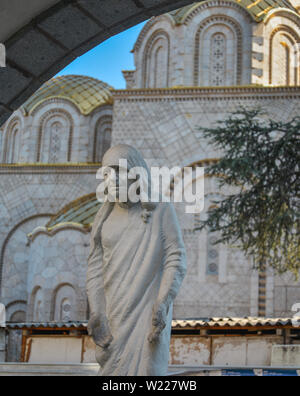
(135, 268)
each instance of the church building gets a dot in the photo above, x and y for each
(194, 66)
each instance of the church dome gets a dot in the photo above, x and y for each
(257, 9)
(86, 93)
(81, 212)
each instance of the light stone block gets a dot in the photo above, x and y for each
(286, 356)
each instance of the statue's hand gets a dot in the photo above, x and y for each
(159, 321)
(99, 329)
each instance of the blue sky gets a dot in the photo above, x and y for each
(107, 60)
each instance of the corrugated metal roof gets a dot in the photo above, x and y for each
(176, 324)
(47, 325)
(231, 322)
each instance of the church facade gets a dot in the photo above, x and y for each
(194, 67)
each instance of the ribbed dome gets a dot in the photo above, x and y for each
(86, 93)
(258, 9)
(79, 215)
(82, 211)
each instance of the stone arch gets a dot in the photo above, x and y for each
(18, 317)
(16, 310)
(224, 22)
(8, 238)
(54, 103)
(284, 13)
(12, 141)
(64, 303)
(43, 141)
(291, 48)
(102, 137)
(63, 266)
(156, 60)
(199, 8)
(36, 305)
(149, 25)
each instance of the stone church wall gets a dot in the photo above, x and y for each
(163, 124)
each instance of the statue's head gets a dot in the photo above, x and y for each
(122, 160)
(124, 152)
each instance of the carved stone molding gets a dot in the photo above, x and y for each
(8, 237)
(279, 29)
(10, 127)
(147, 52)
(217, 3)
(105, 120)
(227, 21)
(146, 29)
(206, 94)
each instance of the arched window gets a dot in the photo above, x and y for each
(15, 144)
(55, 142)
(218, 55)
(65, 310)
(18, 317)
(284, 57)
(65, 304)
(102, 139)
(218, 60)
(12, 144)
(55, 137)
(38, 306)
(156, 61)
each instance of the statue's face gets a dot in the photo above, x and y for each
(117, 181)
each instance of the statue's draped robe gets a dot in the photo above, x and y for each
(131, 272)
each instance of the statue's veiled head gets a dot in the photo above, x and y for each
(114, 158)
(123, 151)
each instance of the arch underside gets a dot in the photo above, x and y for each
(57, 36)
